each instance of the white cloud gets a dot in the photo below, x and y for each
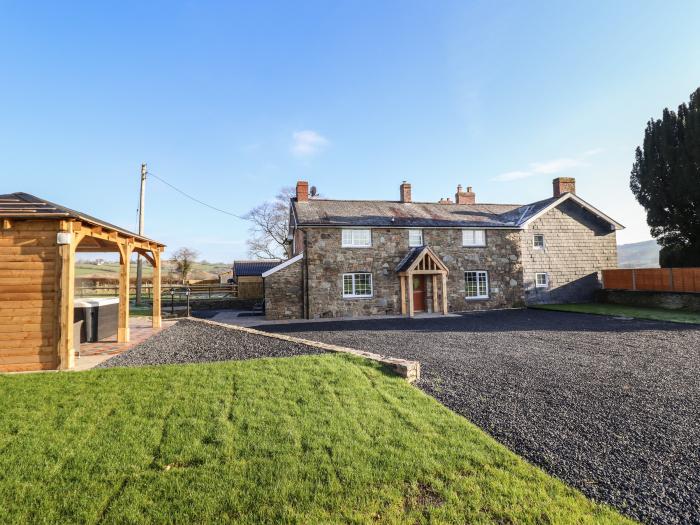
(549, 167)
(556, 165)
(307, 143)
(514, 175)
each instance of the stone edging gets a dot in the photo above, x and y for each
(410, 370)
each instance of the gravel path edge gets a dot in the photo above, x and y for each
(409, 370)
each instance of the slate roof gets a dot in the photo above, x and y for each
(322, 212)
(253, 268)
(409, 258)
(25, 206)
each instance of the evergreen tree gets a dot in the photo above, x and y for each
(666, 181)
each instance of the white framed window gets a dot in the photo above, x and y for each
(541, 280)
(473, 238)
(357, 238)
(538, 241)
(476, 284)
(357, 284)
(415, 238)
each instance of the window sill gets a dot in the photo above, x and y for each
(344, 246)
(354, 297)
(473, 246)
(478, 298)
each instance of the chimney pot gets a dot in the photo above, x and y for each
(405, 192)
(562, 185)
(302, 191)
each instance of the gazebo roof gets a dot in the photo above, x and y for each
(25, 206)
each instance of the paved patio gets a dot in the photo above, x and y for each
(92, 354)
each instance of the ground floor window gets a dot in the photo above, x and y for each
(476, 284)
(357, 285)
(541, 280)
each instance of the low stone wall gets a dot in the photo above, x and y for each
(669, 300)
(213, 304)
(410, 370)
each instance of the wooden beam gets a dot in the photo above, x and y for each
(435, 294)
(403, 294)
(156, 314)
(444, 294)
(66, 292)
(411, 310)
(124, 267)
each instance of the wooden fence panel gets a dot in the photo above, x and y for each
(618, 279)
(653, 279)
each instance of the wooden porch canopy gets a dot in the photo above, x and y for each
(422, 261)
(38, 243)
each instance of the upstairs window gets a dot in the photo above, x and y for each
(541, 280)
(357, 285)
(473, 238)
(357, 238)
(538, 241)
(476, 284)
(415, 238)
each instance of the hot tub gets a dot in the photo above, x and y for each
(100, 317)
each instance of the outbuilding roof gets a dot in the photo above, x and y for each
(253, 268)
(25, 206)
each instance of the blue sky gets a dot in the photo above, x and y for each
(231, 101)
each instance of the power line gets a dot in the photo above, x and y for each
(196, 199)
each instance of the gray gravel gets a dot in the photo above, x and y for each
(610, 406)
(196, 342)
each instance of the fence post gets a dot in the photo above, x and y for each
(634, 279)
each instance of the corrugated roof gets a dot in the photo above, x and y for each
(323, 212)
(25, 206)
(253, 268)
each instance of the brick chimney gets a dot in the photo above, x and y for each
(465, 197)
(562, 185)
(405, 192)
(302, 191)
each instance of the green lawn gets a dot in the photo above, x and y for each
(314, 439)
(658, 314)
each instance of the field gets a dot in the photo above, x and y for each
(110, 269)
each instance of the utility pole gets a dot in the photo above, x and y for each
(139, 269)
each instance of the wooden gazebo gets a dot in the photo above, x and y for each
(422, 261)
(38, 243)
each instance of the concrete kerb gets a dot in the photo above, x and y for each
(409, 370)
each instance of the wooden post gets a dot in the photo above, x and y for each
(66, 350)
(444, 294)
(124, 267)
(155, 287)
(403, 294)
(435, 294)
(411, 311)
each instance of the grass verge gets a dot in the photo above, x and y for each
(639, 312)
(313, 439)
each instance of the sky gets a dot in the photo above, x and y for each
(231, 101)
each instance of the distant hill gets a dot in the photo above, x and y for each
(643, 254)
(110, 269)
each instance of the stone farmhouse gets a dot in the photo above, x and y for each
(373, 257)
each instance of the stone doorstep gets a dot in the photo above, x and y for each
(409, 370)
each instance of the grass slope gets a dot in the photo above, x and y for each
(639, 312)
(315, 439)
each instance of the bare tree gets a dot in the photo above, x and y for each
(184, 259)
(270, 227)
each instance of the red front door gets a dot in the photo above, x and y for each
(419, 292)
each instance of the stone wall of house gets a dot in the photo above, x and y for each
(328, 261)
(284, 297)
(577, 247)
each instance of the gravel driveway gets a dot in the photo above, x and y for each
(196, 342)
(611, 406)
